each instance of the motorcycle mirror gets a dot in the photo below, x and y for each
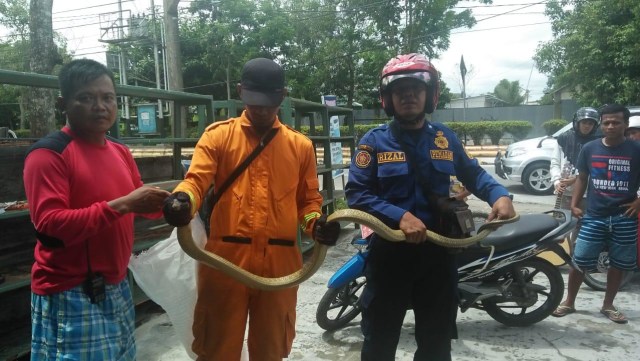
(542, 140)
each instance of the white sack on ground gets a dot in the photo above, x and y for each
(167, 276)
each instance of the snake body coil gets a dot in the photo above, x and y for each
(319, 250)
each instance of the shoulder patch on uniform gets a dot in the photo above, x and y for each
(390, 157)
(368, 148)
(441, 154)
(441, 141)
(363, 159)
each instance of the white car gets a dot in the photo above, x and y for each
(528, 161)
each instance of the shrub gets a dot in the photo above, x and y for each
(359, 130)
(518, 128)
(23, 133)
(495, 131)
(460, 128)
(553, 125)
(476, 131)
(192, 132)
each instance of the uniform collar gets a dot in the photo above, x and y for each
(245, 122)
(427, 128)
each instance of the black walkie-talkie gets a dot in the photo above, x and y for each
(94, 287)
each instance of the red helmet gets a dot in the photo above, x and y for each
(415, 66)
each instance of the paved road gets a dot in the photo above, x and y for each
(584, 336)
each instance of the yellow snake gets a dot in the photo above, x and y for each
(319, 250)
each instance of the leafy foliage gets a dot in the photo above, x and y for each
(553, 125)
(508, 93)
(326, 46)
(494, 129)
(518, 128)
(594, 51)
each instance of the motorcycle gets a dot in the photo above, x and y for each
(500, 275)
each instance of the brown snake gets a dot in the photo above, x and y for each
(319, 250)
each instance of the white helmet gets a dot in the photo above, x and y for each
(634, 122)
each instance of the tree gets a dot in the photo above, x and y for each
(43, 57)
(325, 46)
(12, 59)
(594, 51)
(508, 93)
(445, 95)
(174, 56)
(14, 16)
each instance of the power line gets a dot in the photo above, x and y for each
(75, 17)
(492, 5)
(514, 10)
(91, 7)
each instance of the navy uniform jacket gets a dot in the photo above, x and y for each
(382, 183)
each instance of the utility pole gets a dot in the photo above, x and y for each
(463, 72)
(123, 61)
(174, 60)
(526, 91)
(156, 60)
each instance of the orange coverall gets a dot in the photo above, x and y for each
(254, 225)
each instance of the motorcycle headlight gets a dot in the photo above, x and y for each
(516, 152)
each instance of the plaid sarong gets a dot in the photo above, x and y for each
(67, 326)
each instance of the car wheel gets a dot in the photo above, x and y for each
(536, 178)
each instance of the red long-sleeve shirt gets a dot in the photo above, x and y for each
(68, 183)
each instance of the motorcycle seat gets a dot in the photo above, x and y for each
(529, 229)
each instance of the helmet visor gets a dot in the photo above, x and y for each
(422, 76)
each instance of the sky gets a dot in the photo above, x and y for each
(500, 46)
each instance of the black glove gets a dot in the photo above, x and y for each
(177, 209)
(326, 232)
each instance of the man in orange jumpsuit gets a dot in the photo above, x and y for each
(255, 222)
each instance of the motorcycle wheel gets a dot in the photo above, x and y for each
(339, 306)
(517, 309)
(597, 280)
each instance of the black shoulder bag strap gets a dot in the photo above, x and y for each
(214, 195)
(245, 163)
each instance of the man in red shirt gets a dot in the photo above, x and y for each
(84, 189)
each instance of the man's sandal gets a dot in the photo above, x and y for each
(614, 315)
(563, 310)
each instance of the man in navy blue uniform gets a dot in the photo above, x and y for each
(397, 168)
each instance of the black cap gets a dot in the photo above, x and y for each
(262, 83)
